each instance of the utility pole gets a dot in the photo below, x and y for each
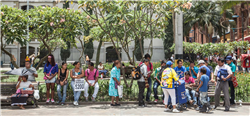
(178, 34)
(27, 44)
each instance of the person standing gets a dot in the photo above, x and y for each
(148, 80)
(50, 72)
(141, 82)
(114, 82)
(11, 65)
(222, 73)
(158, 81)
(229, 61)
(169, 76)
(76, 73)
(203, 88)
(91, 80)
(202, 64)
(63, 74)
(87, 59)
(180, 69)
(239, 64)
(211, 72)
(192, 69)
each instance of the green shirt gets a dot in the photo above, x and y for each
(156, 73)
(238, 62)
(233, 67)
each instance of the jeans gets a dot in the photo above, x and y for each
(155, 86)
(239, 68)
(149, 89)
(76, 93)
(203, 97)
(12, 66)
(141, 92)
(62, 99)
(189, 96)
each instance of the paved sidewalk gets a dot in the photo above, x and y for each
(106, 109)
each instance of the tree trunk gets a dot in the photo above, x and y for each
(141, 48)
(10, 55)
(98, 52)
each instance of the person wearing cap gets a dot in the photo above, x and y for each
(202, 64)
(211, 71)
(158, 80)
(229, 61)
(193, 69)
(169, 76)
(222, 84)
(180, 69)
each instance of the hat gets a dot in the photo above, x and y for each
(169, 63)
(201, 62)
(229, 58)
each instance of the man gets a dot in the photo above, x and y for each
(149, 71)
(193, 69)
(158, 81)
(201, 64)
(211, 70)
(229, 61)
(28, 67)
(91, 80)
(180, 69)
(222, 74)
(141, 81)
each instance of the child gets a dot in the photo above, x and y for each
(189, 82)
(203, 87)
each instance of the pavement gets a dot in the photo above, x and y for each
(107, 110)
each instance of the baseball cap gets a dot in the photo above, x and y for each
(169, 63)
(229, 58)
(201, 62)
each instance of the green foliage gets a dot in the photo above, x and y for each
(168, 40)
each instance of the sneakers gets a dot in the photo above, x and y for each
(62, 104)
(48, 100)
(52, 100)
(175, 111)
(75, 103)
(156, 100)
(93, 99)
(167, 110)
(58, 102)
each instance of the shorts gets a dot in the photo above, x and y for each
(53, 80)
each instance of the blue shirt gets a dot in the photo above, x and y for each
(205, 80)
(48, 68)
(196, 69)
(180, 71)
(208, 73)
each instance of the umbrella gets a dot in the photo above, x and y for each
(20, 72)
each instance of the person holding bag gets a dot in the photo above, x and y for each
(114, 82)
(62, 82)
(50, 72)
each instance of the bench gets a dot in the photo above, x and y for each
(211, 90)
(7, 89)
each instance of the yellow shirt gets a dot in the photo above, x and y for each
(167, 78)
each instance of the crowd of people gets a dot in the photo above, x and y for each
(165, 76)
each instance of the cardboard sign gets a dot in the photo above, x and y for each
(79, 84)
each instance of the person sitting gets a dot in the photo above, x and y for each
(63, 83)
(28, 67)
(91, 80)
(22, 85)
(193, 69)
(102, 70)
(189, 84)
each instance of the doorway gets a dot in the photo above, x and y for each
(111, 54)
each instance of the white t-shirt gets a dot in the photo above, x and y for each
(31, 77)
(100, 67)
(217, 68)
(24, 84)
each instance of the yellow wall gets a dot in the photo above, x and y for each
(227, 38)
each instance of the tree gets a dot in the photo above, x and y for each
(52, 25)
(168, 40)
(13, 28)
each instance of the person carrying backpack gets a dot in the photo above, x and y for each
(91, 80)
(157, 82)
(222, 75)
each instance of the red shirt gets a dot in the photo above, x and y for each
(148, 67)
(189, 80)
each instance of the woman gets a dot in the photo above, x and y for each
(101, 70)
(21, 85)
(76, 73)
(50, 72)
(114, 81)
(62, 77)
(167, 83)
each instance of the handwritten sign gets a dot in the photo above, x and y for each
(79, 84)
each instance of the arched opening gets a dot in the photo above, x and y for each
(111, 54)
(23, 54)
(25, 7)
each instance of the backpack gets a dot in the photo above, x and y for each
(224, 73)
(136, 72)
(160, 72)
(94, 75)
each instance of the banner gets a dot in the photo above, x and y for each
(79, 84)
